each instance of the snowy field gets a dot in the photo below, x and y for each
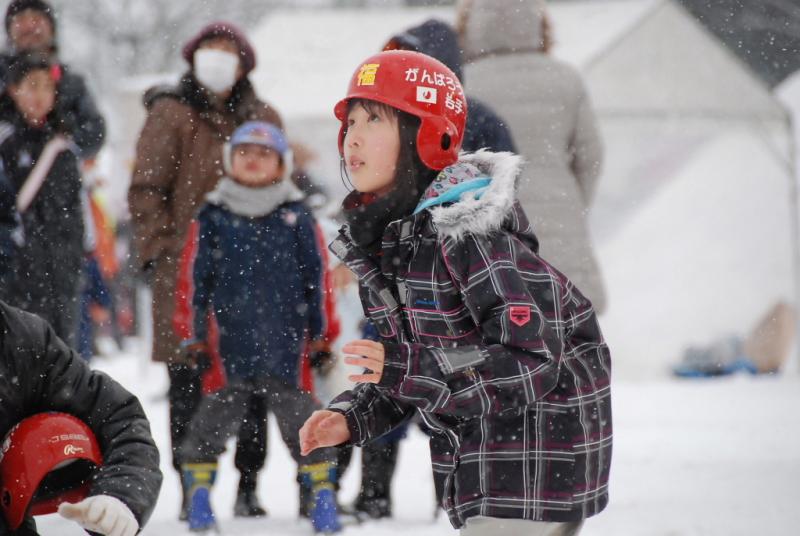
(715, 457)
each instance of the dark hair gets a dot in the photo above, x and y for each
(23, 64)
(411, 172)
(18, 6)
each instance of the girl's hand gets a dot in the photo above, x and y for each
(372, 357)
(323, 429)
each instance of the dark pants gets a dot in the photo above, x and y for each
(220, 416)
(185, 395)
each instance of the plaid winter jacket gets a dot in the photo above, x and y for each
(498, 351)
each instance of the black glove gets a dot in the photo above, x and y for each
(197, 356)
(321, 359)
(148, 272)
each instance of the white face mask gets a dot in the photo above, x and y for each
(215, 69)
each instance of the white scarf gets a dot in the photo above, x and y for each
(253, 202)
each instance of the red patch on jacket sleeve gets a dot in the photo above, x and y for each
(520, 314)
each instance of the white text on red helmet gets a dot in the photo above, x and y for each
(69, 450)
(67, 437)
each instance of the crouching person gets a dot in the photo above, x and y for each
(259, 270)
(75, 442)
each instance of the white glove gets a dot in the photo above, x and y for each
(102, 514)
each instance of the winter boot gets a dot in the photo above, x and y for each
(344, 454)
(320, 479)
(246, 498)
(306, 500)
(184, 515)
(378, 462)
(198, 479)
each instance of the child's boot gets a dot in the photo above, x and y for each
(377, 468)
(320, 479)
(247, 499)
(198, 479)
(184, 514)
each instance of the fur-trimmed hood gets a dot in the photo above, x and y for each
(491, 208)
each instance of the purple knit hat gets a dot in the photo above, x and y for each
(228, 31)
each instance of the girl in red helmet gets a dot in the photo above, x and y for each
(499, 353)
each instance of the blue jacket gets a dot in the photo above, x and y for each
(262, 278)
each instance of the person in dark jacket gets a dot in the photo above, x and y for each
(484, 130)
(39, 373)
(31, 27)
(178, 161)
(48, 254)
(8, 223)
(260, 272)
(495, 349)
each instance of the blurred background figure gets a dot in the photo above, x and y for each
(507, 44)
(178, 161)
(98, 302)
(764, 349)
(31, 27)
(41, 165)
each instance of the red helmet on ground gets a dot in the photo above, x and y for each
(45, 460)
(419, 85)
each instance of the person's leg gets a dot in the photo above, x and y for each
(251, 453)
(64, 305)
(217, 419)
(85, 328)
(378, 462)
(492, 526)
(184, 395)
(291, 407)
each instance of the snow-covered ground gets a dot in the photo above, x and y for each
(707, 458)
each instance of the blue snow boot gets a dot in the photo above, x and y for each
(198, 479)
(320, 479)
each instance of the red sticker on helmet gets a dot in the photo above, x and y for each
(520, 314)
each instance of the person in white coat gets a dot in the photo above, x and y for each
(550, 115)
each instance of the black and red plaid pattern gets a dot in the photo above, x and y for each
(505, 361)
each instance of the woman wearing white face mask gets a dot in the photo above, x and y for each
(178, 160)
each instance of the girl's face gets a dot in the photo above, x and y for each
(255, 165)
(34, 96)
(371, 149)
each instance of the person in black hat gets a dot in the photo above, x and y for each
(31, 27)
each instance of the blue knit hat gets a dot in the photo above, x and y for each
(260, 133)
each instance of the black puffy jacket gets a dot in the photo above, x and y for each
(45, 268)
(38, 372)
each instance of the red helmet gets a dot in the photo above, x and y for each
(45, 460)
(419, 85)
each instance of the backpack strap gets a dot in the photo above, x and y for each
(40, 171)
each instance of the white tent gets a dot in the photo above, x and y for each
(694, 219)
